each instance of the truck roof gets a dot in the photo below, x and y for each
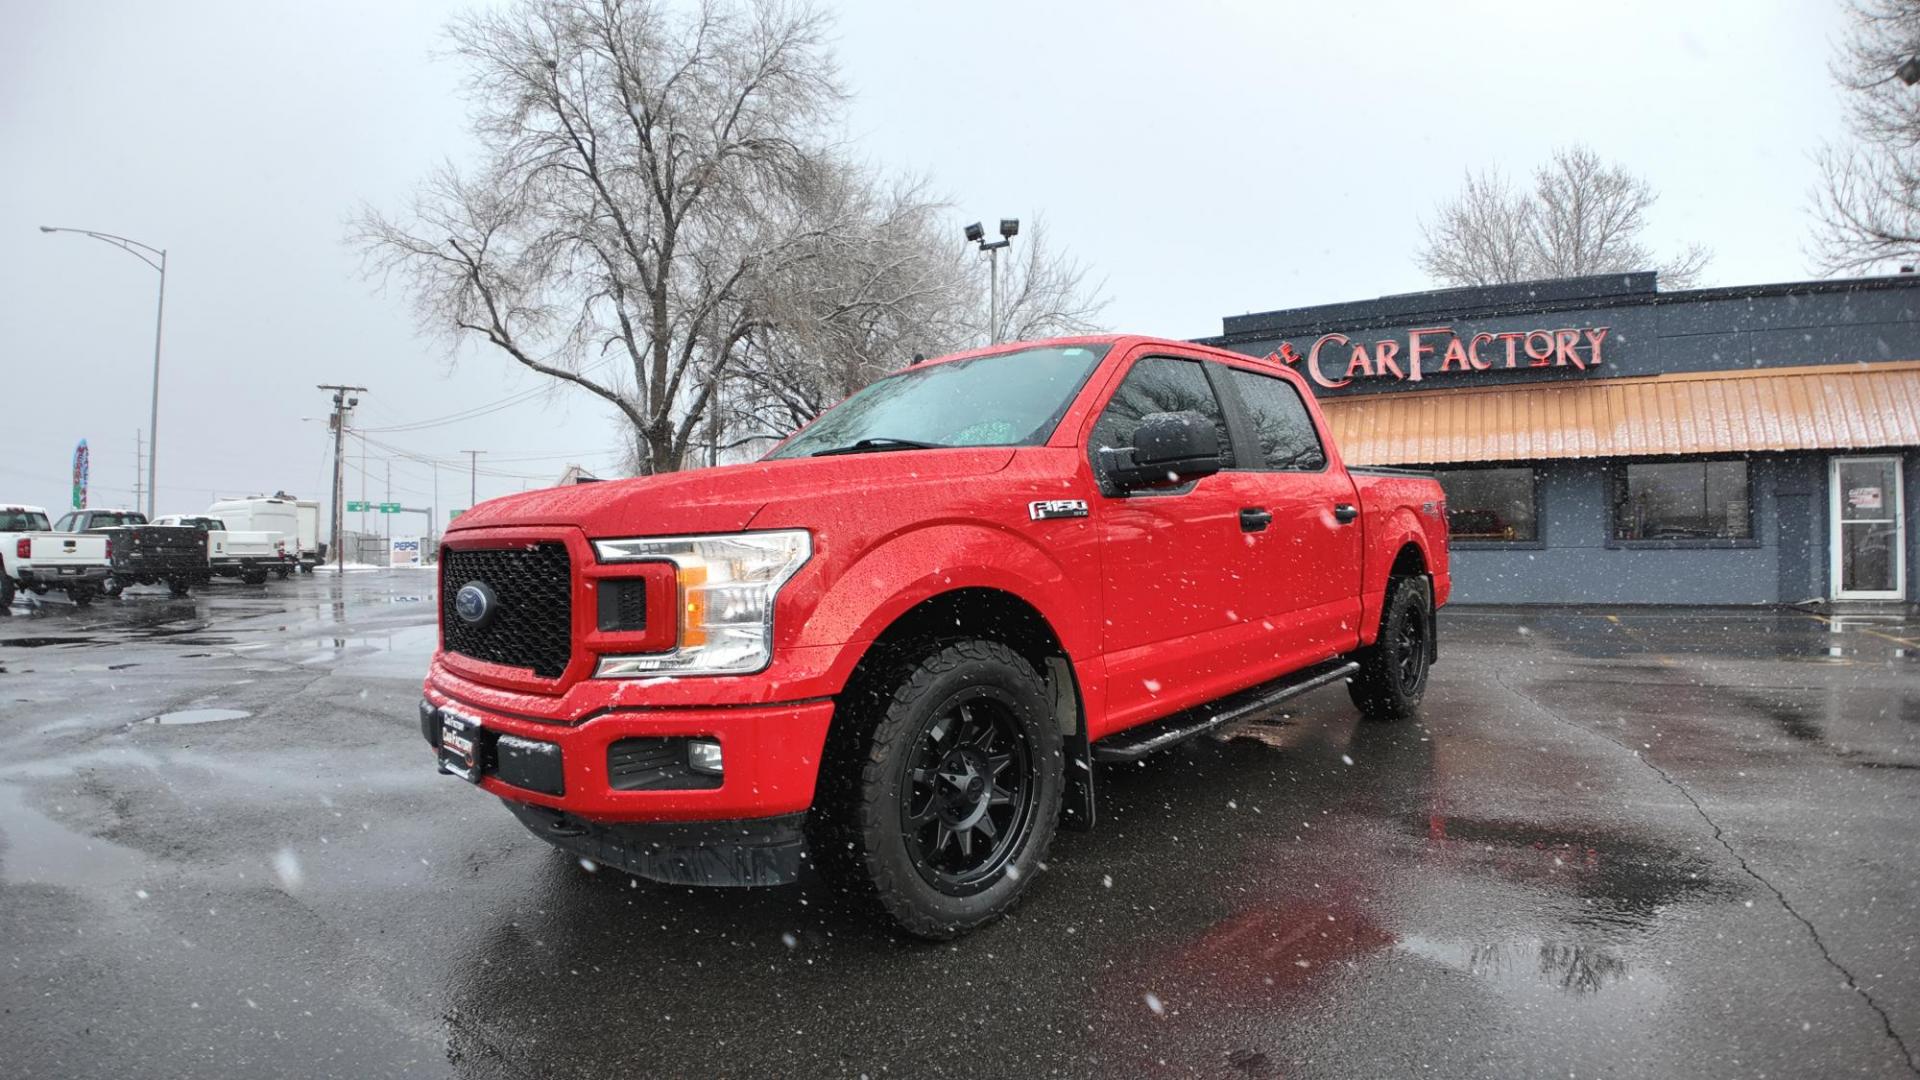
(22, 508)
(1089, 339)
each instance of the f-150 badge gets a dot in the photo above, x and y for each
(1057, 508)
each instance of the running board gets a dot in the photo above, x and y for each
(1136, 743)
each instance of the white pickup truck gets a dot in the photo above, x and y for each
(248, 555)
(34, 557)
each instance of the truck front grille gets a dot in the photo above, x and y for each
(531, 625)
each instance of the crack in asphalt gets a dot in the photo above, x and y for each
(1719, 834)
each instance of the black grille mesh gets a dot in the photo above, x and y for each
(533, 626)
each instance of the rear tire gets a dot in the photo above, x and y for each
(944, 789)
(281, 572)
(253, 577)
(80, 597)
(6, 591)
(179, 590)
(1393, 670)
(114, 587)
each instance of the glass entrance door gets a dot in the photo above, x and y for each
(1869, 530)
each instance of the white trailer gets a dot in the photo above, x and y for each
(278, 514)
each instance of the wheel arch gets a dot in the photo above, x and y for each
(992, 614)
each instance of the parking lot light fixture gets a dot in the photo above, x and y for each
(156, 258)
(977, 234)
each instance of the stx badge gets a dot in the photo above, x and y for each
(1057, 508)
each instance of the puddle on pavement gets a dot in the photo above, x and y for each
(196, 716)
(46, 642)
(36, 850)
(1529, 966)
(1622, 881)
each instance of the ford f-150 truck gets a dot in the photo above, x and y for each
(899, 644)
(34, 557)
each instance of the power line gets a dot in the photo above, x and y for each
(478, 411)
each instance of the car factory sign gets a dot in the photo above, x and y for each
(1336, 360)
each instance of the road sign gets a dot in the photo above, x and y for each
(389, 508)
(451, 514)
(356, 507)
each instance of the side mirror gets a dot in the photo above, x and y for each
(1167, 448)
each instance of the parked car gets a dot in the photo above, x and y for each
(284, 515)
(902, 640)
(249, 556)
(143, 553)
(34, 557)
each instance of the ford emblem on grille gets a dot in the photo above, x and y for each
(476, 604)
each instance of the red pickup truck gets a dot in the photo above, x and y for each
(899, 643)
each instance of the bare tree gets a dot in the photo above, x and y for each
(1581, 217)
(1867, 207)
(633, 192)
(659, 218)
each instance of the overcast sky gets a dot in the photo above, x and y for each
(1203, 159)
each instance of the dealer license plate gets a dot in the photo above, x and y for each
(460, 747)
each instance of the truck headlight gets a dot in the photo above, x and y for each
(726, 586)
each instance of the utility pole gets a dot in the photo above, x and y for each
(137, 448)
(433, 514)
(473, 474)
(386, 518)
(338, 424)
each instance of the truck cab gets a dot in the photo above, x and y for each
(901, 643)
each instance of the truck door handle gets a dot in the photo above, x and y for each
(1345, 512)
(1254, 518)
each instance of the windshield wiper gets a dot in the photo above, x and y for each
(868, 446)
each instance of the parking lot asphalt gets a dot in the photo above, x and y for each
(1618, 842)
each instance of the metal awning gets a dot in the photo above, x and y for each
(1832, 407)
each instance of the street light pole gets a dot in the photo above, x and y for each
(156, 258)
(1009, 227)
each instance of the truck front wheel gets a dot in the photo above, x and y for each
(1393, 670)
(948, 803)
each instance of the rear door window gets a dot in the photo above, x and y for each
(1281, 424)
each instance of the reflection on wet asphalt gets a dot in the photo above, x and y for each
(1630, 843)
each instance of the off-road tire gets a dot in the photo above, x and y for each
(80, 597)
(1393, 670)
(114, 587)
(6, 592)
(179, 590)
(861, 836)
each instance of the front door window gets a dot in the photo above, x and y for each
(1868, 542)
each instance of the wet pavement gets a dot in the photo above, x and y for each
(1619, 842)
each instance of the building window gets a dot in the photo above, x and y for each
(1682, 500)
(1491, 504)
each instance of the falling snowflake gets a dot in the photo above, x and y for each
(1153, 1003)
(286, 867)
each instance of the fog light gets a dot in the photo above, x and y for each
(703, 756)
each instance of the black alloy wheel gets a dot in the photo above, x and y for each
(942, 786)
(1410, 652)
(969, 795)
(1393, 670)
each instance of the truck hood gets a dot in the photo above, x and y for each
(724, 499)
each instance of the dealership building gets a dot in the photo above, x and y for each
(1601, 441)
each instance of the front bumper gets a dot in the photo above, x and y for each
(771, 753)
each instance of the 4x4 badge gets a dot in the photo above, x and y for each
(1057, 508)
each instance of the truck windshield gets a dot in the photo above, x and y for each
(1005, 399)
(23, 521)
